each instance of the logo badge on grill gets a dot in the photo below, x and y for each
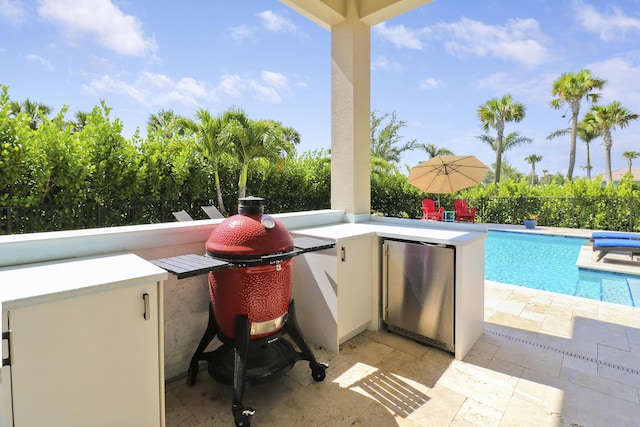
(260, 328)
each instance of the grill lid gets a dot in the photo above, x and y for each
(249, 235)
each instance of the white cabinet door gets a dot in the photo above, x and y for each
(315, 292)
(355, 278)
(333, 290)
(88, 361)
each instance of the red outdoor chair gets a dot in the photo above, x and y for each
(429, 211)
(463, 212)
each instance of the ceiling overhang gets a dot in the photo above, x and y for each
(328, 13)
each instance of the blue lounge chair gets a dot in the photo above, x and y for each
(614, 235)
(606, 245)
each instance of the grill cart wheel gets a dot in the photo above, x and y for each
(318, 370)
(242, 416)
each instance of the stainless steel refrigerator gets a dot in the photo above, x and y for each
(418, 291)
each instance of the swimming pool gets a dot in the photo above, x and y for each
(546, 262)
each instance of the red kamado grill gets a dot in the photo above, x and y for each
(249, 260)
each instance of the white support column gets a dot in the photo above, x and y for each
(350, 114)
(349, 22)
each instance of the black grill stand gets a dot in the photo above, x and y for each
(240, 360)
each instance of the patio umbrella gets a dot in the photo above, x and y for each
(446, 174)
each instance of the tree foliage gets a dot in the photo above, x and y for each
(494, 114)
(66, 174)
(569, 90)
(586, 133)
(386, 139)
(604, 119)
(630, 155)
(532, 160)
(433, 150)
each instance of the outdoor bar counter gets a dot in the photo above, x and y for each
(349, 278)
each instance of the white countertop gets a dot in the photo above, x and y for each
(28, 284)
(420, 232)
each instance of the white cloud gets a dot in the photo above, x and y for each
(265, 93)
(102, 20)
(382, 62)
(269, 87)
(399, 36)
(153, 89)
(269, 21)
(536, 88)
(37, 58)
(520, 40)
(622, 82)
(274, 79)
(231, 85)
(241, 32)
(107, 84)
(97, 62)
(609, 27)
(12, 11)
(430, 83)
(275, 23)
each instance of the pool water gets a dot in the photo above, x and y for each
(548, 263)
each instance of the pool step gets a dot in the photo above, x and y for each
(616, 290)
(614, 263)
(589, 287)
(620, 290)
(634, 289)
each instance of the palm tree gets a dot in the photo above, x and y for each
(169, 122)
(512, 140)
(604, 119)
(290, 134)
(82, 118)
(210, 142)
(532, 160)
(569, 89)
(253, 140)
(35, 110)
(494, 114)
(586, 134)
(433, 150)
(630, 155)
(506, 172)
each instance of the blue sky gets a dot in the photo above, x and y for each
(434, 66)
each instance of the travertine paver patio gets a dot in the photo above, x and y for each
(544, 360)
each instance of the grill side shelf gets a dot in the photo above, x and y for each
(190, 265)
(184, 266)
(311, 244)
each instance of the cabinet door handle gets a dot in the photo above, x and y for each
(147, 310)
(7, 336)
(343, 254)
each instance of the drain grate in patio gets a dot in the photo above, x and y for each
(566, 353)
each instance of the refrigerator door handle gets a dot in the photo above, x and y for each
(385, 280)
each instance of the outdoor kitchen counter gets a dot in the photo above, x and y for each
(420, 232)
(76, 330)
(349, 291)
(38, 283)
